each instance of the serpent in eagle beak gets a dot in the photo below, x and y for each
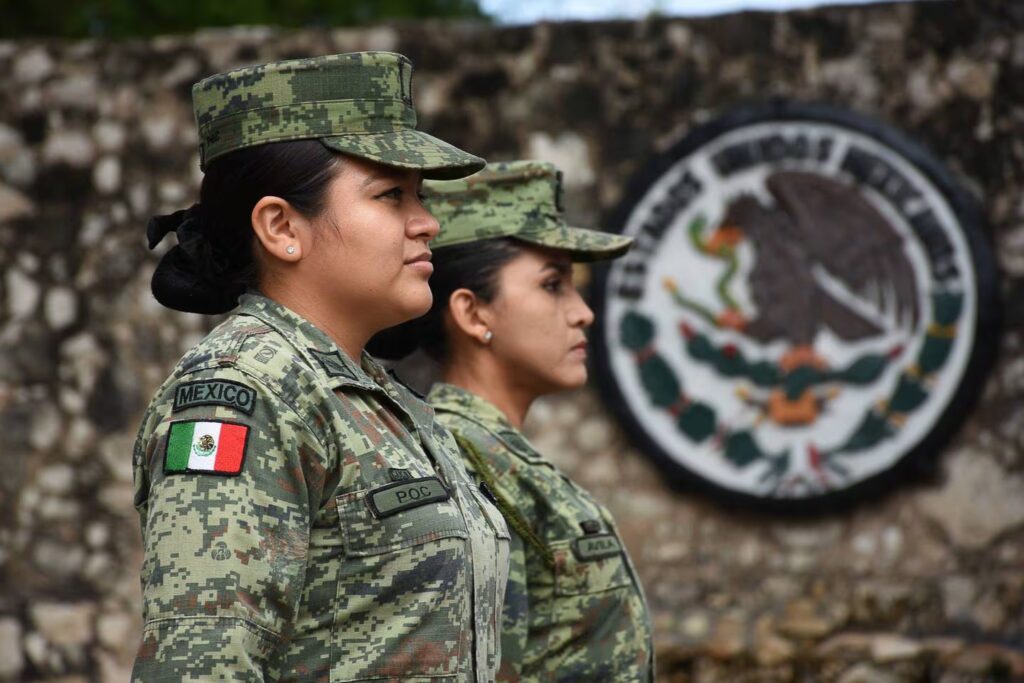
(825, 258)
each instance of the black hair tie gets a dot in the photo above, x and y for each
(159, 226)
(192, 276)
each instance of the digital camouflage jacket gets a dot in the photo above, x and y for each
(574, 608)
(305, 518)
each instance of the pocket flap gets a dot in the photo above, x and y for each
(380, 520)
(584, 566)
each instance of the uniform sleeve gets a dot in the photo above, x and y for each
(515, 618)
(229, 488)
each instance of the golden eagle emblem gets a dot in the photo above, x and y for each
(206, 445)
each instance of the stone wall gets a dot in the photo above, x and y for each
(925, 584)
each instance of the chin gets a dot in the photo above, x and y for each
(571, 380)
(417, 304)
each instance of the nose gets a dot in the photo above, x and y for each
(422, 224)
(580, 314)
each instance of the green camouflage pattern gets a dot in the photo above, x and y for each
(284, 572)
(573, 619)
(518, 199)
(358, 103)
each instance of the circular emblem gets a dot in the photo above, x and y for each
(205, 446)
(809, 302)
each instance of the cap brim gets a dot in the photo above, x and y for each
(581, 244)
(410, 148)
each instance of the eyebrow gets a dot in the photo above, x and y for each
(373, 177)
(396, 176)
(560, 266)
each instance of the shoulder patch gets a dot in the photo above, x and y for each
(214, 392)
(515, 441)
(265, 354)
(399, 474)
(391, 499)
(332, 363)
(206, 447)
(596, 547)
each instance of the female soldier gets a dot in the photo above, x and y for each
(507, 326)
(304, 517)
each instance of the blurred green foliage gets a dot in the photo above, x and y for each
(129, 18)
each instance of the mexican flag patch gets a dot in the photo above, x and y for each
(210, 447)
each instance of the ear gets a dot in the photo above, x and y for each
(283, 231)
(470, 315)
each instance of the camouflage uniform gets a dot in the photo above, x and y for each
(304, 517)
(574, 608)
(305, 566)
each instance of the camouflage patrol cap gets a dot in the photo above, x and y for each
(358, 103)
(518, 199)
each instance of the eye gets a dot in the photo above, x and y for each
(553, 285)
(394, 193)
(421, 195)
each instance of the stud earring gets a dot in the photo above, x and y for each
(290, 249)
(488, 336)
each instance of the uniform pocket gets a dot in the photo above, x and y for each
(396, 516)
(593, 563)
(590, 612)
(402, 609)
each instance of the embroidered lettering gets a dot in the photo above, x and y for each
(214, 392)
(596, 547)
(391, 499)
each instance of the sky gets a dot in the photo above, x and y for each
(527, 11)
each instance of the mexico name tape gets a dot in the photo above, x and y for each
(214, 392)
(394, 498)
(206, 447)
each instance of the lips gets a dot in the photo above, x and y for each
(581, 346)
(419, 258)
(421, 264)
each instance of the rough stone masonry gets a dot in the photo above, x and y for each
(924, 584)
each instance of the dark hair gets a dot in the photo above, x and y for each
(214, 261)
(473, 266)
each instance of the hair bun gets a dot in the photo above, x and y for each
(179, 285)
(191, 277)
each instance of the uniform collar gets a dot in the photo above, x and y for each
(325, 357)
(453, 399)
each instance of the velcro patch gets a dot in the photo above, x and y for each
(266, 354)
(399, 474)
(332, 363)
(206, 447)
(596, 547)
(214, 392)
(515, 441)
(391, 499)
